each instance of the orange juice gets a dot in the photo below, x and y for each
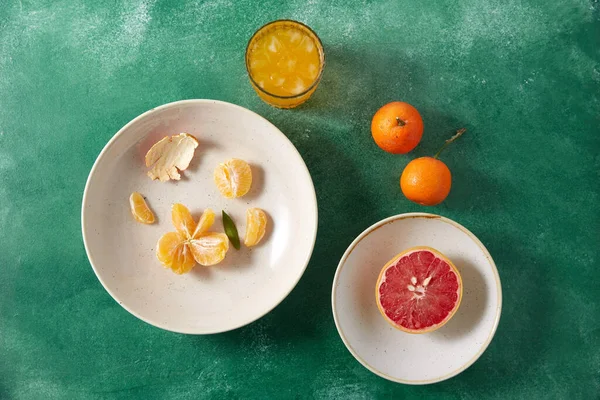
(284, 60)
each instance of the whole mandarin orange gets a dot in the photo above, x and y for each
(397, 127)
(427, 180)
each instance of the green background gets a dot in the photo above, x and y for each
(522, 75)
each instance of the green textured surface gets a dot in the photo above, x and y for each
(522, 76)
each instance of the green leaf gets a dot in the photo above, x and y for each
(231, 231)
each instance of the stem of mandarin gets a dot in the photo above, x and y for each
(452, 139)
(400, 122)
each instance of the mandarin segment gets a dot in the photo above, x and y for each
(140, 209)
(167, 244)
(210, 248)
(233, 178)
(256, 226)
(182, 219)
(183, 261)
(173, 252)
(206, 221)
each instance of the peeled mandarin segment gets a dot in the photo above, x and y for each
(182, 220)
(140, 210)
(256, 226)
(210, 248)
(233, 178)
(223, 181)
(173, 252)
(167, 244)
(241, 177)
(206, 221)
(184, 260)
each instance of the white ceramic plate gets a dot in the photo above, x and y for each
(416, 358)
(248, 283)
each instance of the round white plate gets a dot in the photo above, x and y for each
(416, 358)
(249, 282)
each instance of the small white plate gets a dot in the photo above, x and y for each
(249, 282)
(416, 359)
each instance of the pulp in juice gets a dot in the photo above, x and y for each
(285, 60)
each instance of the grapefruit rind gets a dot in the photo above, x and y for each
(392, 262)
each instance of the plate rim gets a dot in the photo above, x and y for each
(111, 142)
(387, 221)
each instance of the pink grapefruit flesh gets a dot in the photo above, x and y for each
(419, 290)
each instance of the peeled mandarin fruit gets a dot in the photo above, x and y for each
(233, 178)
(256, 225)
(191, 243)
(140, 210)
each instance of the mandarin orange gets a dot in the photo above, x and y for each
(427, 180)
(397, 127)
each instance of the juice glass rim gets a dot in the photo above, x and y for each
(321, 57)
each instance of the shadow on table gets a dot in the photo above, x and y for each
(358, 82)
(354, 85)
(472, 189)
(345, 209)
(520, 341)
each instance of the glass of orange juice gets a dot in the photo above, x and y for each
(285, 61)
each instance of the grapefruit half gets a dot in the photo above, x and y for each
(419, 290)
